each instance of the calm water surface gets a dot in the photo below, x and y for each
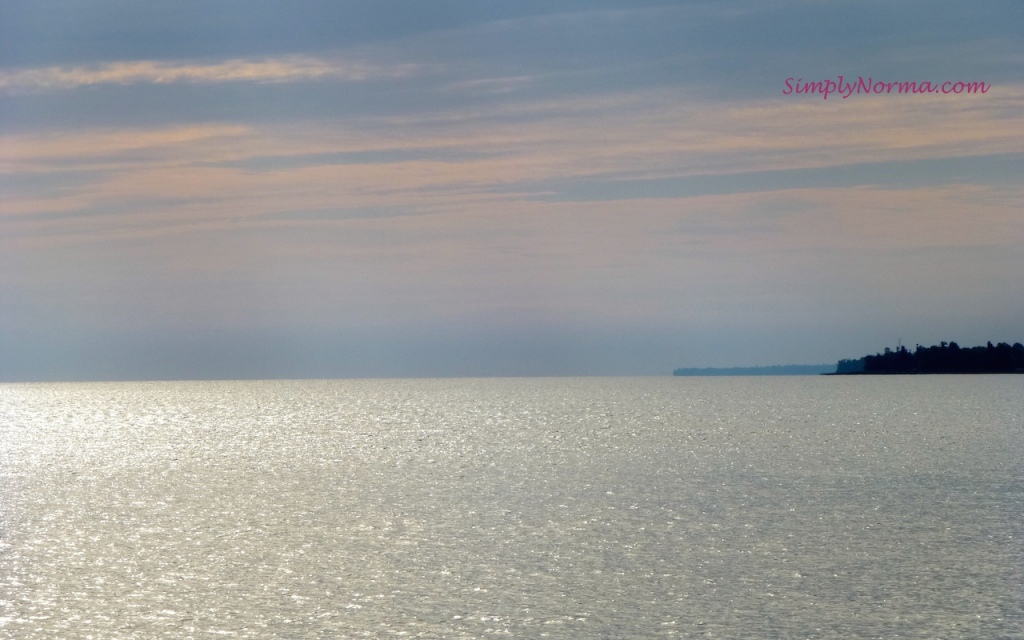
(829, 507)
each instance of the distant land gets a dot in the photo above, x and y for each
(947, 357)
(775, 370)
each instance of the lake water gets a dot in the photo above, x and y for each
(804, 507)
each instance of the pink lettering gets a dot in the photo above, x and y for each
(845, 88)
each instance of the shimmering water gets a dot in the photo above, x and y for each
(570, 508)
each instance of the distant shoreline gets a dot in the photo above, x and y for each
(923, 373)
(774, 370)
(944, 358)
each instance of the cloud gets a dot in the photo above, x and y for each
(628, 150)
(492, 85)
(296, 68)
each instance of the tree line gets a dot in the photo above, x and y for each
(947, 357)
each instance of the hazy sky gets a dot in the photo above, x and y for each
(209, 188)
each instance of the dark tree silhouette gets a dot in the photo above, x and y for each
(944, 358)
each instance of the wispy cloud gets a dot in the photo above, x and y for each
(263, 70)
(521, 158)
(492, 85)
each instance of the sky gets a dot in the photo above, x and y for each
(390, 188)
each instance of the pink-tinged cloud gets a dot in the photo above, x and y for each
(468, 163)
(298, 68)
